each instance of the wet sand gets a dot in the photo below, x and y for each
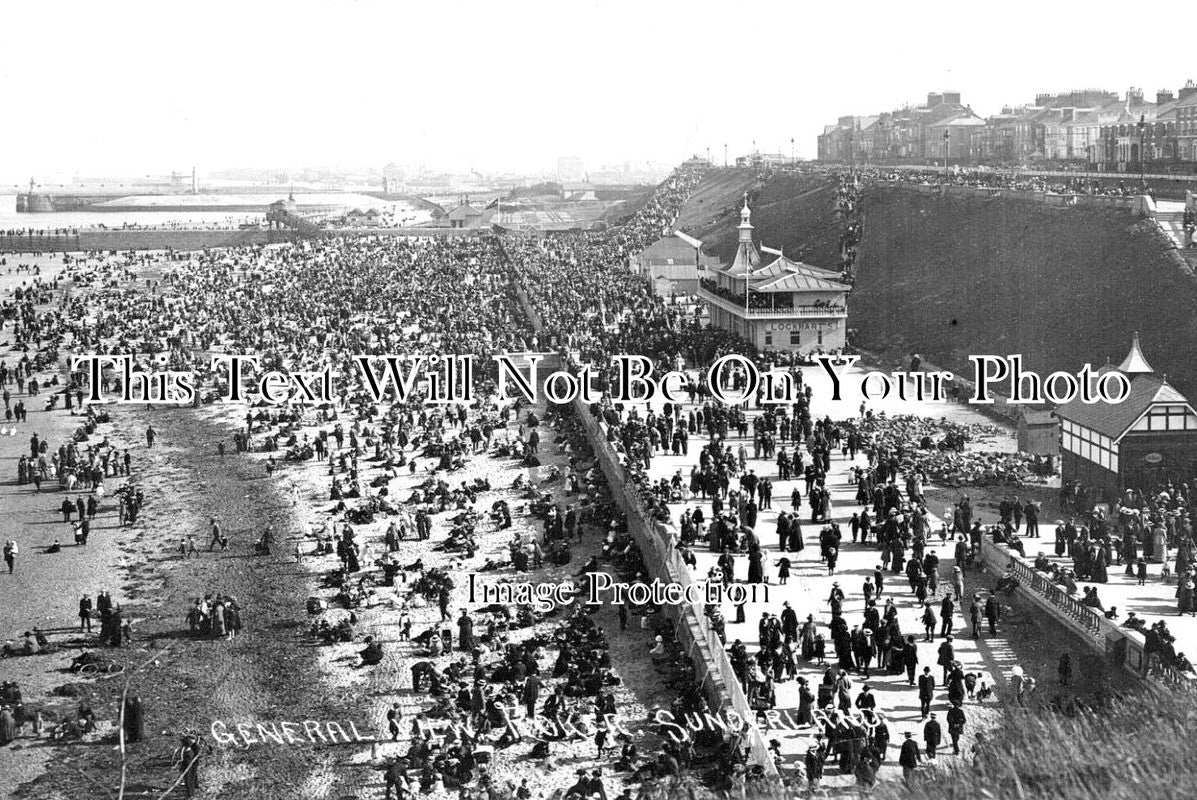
(263, 673)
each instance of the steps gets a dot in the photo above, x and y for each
(1172, 223)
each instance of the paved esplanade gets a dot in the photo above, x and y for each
(809, 585)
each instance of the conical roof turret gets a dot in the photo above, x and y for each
(1135, 363)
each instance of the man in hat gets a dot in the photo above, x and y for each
(581, 787)
(531, 693)
(956, 721)
(816, 756)
(932, 736)
(909, 757)
(396, 778)
(993, 611)
(926, 691)
(596, 785)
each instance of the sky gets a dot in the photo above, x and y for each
(123, 88)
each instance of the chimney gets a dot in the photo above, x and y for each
(1134, 97)
(1163, 96)
(934, 99)
(951, 98)
(1188, 90)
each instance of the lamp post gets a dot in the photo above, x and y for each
(791, 151)
(946, 149)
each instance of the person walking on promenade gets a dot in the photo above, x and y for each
(932, 736)
(947, 655)
(956, 722)
(908, 758)
(911, 651)
(926, 691)
(946, 609)
(993, 612)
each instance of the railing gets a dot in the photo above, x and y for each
(800, 311)
(1122, 647)
(38, 242)
(1068, 199)
(664, 563)
(656, 542)
(702, 644)
(737, 305)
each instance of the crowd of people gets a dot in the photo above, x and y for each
(315, 305)
(987, 178)
(938, 451)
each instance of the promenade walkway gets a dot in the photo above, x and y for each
(991, 658)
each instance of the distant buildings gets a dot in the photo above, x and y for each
(357, 218)
(908, 134)
(1090, 126)
(570, 170)
(782, 305)
(763, 160)
(465, 216)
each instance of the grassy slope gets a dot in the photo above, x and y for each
(951, 277)
(788, 211)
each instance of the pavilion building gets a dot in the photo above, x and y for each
(1145, 441)
(781, 305)
(673, 264)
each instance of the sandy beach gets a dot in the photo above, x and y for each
(273, 671)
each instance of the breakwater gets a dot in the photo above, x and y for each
(183, 239)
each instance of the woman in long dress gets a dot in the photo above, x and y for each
(218, 622)
(756, 569)
(8, 726)
(807, 637)
(1098, 570)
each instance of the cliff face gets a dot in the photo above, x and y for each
(952, 276)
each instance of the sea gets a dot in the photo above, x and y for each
(396, 212)
(11, 220)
